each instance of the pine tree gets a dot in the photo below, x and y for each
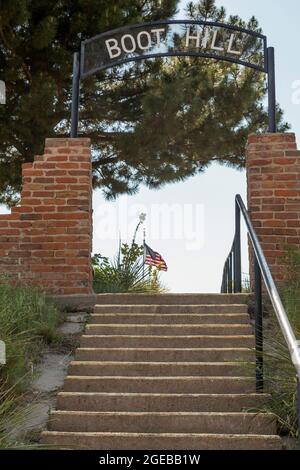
(152, 122)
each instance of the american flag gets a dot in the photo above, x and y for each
(152, 258)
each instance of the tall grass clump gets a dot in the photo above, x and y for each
(280, 374)
(127, 272)
(27, 327)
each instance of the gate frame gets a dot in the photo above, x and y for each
(268, 68)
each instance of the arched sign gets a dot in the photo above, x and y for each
(212, 40)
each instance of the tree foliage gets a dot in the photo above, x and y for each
(152, 122)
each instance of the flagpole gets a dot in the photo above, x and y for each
(144, 258)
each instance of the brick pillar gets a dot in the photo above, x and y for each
(47, 239)
(273, 175)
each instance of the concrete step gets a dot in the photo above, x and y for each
(160, 402)
(172, 299)
(158, 369)
(159, 441)
(168, 330)
(215, 385)
(166, 318)
(143, 341)
(174, 309)
(184, 422)
(164, 354)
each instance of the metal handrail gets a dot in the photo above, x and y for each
(231, 282)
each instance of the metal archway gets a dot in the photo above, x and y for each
(174, 38)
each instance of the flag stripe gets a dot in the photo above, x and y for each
(152, 258)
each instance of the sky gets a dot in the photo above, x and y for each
(191, 224)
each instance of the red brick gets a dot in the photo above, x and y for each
(273, 207)
(293, 223)
(56, 230)
(284, 161)
(30, 216)
(261, 162)
(287, 193)
(33, 187)
(78, 187)
(54, 201)
(272, 170)
(86, 158)
(66, 180)
(66, 224)
(8, 231)
(68, 166)
(53, 246)
(27, 165)
(85, 165)
(286, 177)
(42, 194)
(45, 209)
(42, 254)
(56, 158)
(31, 201)
(292, 153)
(68, 216)
(262, 193)
(25, 194)
(55, 187)
(56, 142)
(263, 215)
(287, 216)
(33, 173)
(44, 165)
(76, 208)
(80, 142)
(44, 180)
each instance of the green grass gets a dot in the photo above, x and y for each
(280, 374)
(27, 326)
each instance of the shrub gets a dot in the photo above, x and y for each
(127, 272)
(27, 326)
(280, 374)
(129, 275)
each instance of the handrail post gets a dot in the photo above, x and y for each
(228, 276)
(271, 89)
(258, 326)
(237, 251)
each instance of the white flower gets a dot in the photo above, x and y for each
(142, 217)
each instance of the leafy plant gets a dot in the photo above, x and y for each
(280, 374)
(27, 325)
(127, 272)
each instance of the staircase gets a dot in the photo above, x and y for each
(169, 371)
